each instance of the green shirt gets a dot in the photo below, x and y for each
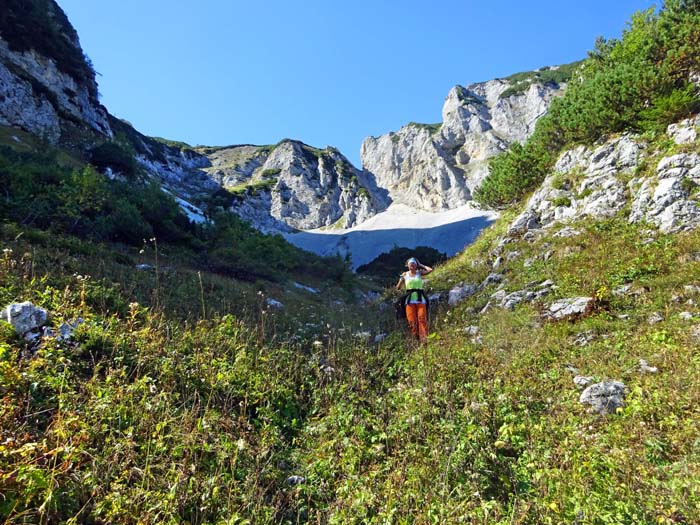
(414, 282)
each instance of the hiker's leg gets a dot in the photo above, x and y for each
(412, 317)
(422, 322)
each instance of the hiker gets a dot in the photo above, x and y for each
(415, 301)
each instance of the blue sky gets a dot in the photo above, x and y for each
(218, 72)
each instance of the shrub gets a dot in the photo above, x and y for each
(115, 157)
(561, 201)
(388, 266)
(638, 83)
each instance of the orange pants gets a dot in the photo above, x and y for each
(418, 321)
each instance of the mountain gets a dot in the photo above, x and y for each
(559, 384)
(437, 167)
(48, 89)
(293, 186)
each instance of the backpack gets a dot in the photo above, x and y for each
(400, 304)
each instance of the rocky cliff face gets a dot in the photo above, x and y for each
(436, 167)
(656, 187)
(294, 186)
(47, 86)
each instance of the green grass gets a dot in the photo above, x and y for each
(521, 82)
(155, 408)
(432, 128)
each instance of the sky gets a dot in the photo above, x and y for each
(221, 72)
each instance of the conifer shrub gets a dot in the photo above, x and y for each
(387, 266)
(114, 156)
(639, 83)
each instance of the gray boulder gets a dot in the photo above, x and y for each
(669, 199)
(568, 308)
(460, 293)
(582, 381)
(606, 397)
(684, 132)
(25, 317)
(67, 329)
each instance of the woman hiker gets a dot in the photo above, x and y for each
(416, 302)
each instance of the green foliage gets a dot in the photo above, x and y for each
(269, 173)
(83, 202)
(521, 82)
(387, 266)
(639, 83)
(514, 172)
(561, 201)
(670, 108)
(173, 143)
(432, 128)
(238, 250)
(114, 156)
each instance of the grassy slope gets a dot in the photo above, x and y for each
(183, 412)
(150, 419)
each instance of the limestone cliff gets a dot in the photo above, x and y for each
(436, 167)
(294, 186)
(621, 175)
(47, 85)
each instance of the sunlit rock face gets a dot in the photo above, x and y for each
(40, 98)
(437, 167)
(605, 179)
(294, 186)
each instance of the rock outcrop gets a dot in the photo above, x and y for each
(294, 186)
(605, 397)
(49, 95)
(24, 317)
(599, 182)
(436, 167)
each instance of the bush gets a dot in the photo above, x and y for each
(388, 266)
(639, 83)
(115, 157)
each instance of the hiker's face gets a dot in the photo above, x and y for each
(412, 266)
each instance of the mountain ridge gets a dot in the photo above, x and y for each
(195, 175)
